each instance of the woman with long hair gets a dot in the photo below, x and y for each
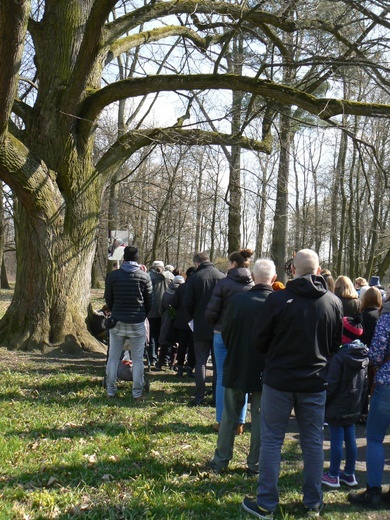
(344, 289)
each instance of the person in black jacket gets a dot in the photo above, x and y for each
(238, 279)
(347, 377)
(243, 366)
(184, 334)
(198, 292)
(167, 339)
(299, 330)
(128, 295)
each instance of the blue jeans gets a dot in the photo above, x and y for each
(136, 334)
(378, 422)
(275, 410)
(220, 352)
(339, 435)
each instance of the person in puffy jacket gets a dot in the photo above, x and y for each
(347, 376)
(238, 279)
(128, 295)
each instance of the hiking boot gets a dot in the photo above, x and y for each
(350, 480)
(314, 512)
(253, 509)
(370, 497)
(330, 481)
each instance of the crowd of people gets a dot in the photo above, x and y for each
(316, 346)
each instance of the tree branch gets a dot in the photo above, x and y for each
(324, 108)
(13, 26)
(132, 141)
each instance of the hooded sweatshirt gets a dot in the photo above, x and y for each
(160, 282)
(300, 328)
(346, 384)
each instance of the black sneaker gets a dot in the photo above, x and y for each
(370, 497)
(253, 509)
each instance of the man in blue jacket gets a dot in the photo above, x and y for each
(300, 328)
(128, 295)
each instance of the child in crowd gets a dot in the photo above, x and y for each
(347, 378)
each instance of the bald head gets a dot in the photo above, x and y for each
(306, 262)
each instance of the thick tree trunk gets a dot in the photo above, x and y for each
(52, 289)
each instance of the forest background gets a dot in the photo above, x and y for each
(192, 126)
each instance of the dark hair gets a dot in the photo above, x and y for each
(241, 257)
(199, 258)
(131, 254)
(190, 271)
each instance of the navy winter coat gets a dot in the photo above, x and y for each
(346, 384)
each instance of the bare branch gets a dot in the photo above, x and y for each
(129, 143)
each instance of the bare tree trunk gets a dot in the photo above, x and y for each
(4, 280)
(279, 234)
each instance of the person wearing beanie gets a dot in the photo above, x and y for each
(375, 281)
(167, 339)
(352, 329)
(128, 295)
(347, 376)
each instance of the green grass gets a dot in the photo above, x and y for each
(66, 451)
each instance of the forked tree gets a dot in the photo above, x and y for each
(48, 120)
